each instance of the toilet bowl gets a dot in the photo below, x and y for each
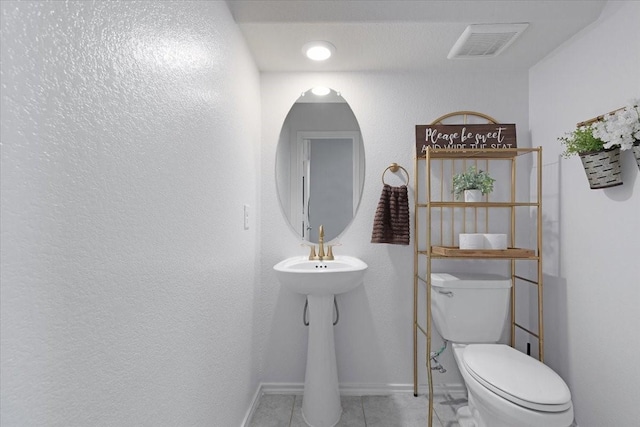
(507, 388)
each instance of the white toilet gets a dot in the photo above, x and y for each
(506, 388)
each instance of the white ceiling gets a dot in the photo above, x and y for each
(384, 35)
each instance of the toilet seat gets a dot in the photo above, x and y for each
(517, 377)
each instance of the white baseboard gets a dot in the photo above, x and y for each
(346, 389)
(252, 408)
(360, 389)
(354, 389)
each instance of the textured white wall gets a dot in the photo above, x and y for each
(129, 144)
(374, 337)
(592, 270)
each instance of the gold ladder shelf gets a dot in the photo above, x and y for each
(430, 227)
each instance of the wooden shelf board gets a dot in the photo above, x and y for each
(469, 154)
(465, 153)
(456, 252)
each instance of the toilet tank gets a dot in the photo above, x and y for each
(470, 308)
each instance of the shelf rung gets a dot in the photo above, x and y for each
(476, 204)
(482, 257)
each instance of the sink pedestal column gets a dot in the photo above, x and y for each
(321, 400)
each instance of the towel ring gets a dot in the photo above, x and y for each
(394, 168)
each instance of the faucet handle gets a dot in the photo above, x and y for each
(312, 254)
(329, 255)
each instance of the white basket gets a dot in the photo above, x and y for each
(602, 168)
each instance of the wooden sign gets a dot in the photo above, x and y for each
(471, 137)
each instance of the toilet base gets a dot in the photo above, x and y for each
(468, 416)
(464, 417)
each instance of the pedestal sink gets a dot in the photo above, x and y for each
(320, 281)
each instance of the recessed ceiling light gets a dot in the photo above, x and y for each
(320, 91)
(318, 50)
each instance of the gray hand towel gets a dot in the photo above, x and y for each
(391, 222)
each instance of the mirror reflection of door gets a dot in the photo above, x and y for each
(327, 185)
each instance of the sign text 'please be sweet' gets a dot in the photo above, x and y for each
(471, 137)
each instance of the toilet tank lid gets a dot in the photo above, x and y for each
(517, 377)
(469, 280)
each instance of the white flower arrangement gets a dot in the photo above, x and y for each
(621, 128)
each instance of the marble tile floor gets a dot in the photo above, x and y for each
(394, 410)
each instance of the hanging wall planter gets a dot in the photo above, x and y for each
(620, 128)
(601, 165)
(602, 168)
(636, 152)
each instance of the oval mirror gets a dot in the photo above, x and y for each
(320, 165)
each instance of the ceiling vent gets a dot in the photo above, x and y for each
(485, 40)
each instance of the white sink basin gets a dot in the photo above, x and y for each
(303, 276)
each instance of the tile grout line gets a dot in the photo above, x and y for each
(364, 415)
(293, 408)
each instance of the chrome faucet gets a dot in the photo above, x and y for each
(321, 255)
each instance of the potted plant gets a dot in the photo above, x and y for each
(473, 183)
(580, 141)
(601, 164)
(621, 128)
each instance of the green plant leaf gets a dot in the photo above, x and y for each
(472, 179)
(579, 141)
